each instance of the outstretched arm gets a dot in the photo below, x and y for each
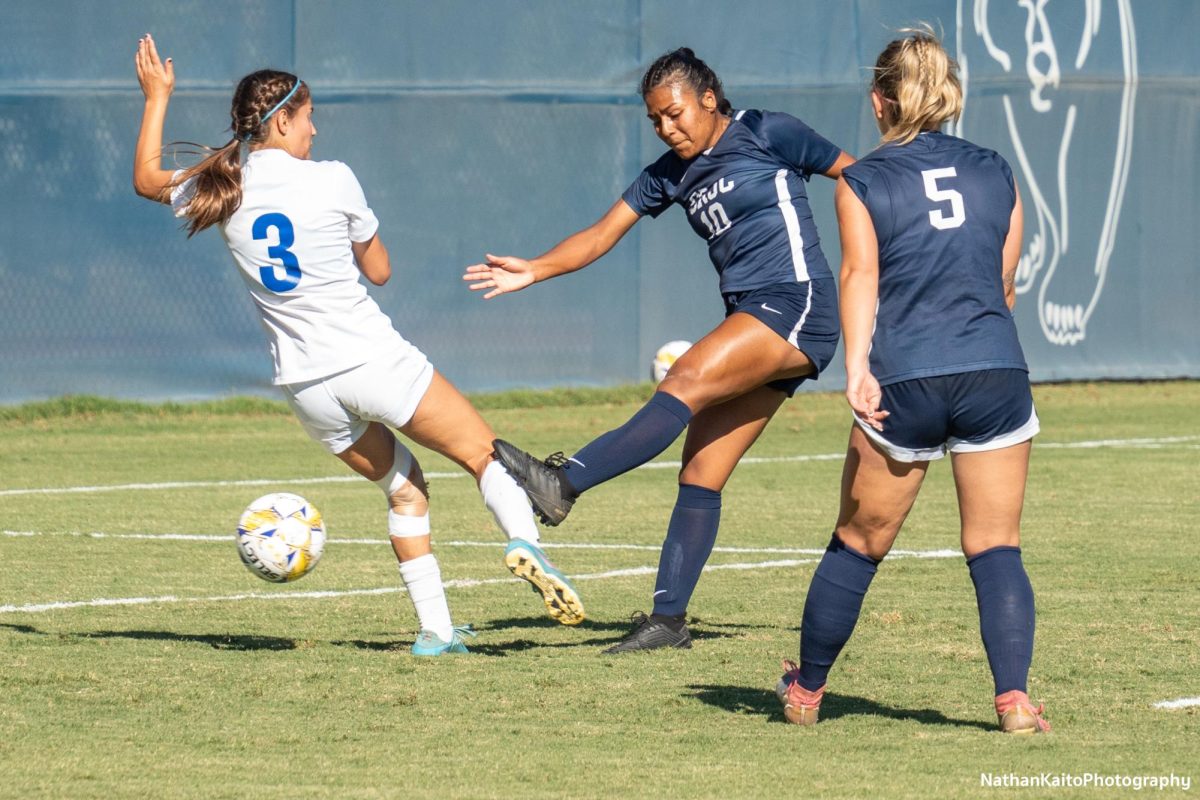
(157, 79)
(503, 274)
(859, 289)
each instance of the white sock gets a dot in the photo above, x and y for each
(423, 579)
(508, 503)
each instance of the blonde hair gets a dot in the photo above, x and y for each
(920, 81)
(218, 177)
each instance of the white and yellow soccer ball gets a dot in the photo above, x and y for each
(666, 357)
(281, 537)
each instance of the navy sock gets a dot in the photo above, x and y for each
(690, 538)
(647, 433)
(831, 610)
(1005, 615)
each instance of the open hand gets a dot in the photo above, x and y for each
(156, 77)
(499, 275)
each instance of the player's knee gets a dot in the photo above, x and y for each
(404, 484)
(687, 383)
(694, 473)
(412, 496)
(872, 540)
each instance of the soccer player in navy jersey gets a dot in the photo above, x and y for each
(740, 177)
(931, 235)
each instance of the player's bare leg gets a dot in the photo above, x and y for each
(991, 495)
(740, 355)
(877, 494)
(447, 423)
(379, 457)
(717, 438)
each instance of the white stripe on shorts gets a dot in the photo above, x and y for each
(792, 340)
(907, 455)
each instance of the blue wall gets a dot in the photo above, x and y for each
(503, 126)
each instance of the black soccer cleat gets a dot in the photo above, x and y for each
(653, 633)
(543, 481)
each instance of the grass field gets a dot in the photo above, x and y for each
(195, 679)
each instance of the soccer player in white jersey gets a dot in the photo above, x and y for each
(300, 233)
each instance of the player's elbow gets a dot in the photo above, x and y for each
(143, 188)
(379, 277)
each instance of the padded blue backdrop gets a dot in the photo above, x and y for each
(503, 126)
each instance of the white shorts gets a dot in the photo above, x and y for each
(335, 410)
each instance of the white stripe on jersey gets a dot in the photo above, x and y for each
(800, 324)
(793, 225)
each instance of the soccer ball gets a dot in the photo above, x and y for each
(666, 357)
(280, 537)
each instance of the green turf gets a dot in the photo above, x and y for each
(277, 696)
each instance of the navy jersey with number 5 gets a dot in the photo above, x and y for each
(941, 208)
(745, 196)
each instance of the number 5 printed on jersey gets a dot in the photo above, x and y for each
(937, 217)
(287, 237)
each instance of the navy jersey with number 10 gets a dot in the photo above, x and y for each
(941, 209)
(745, 196)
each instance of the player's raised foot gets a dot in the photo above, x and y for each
(654, 632)
(527, 561)
(800, 706)
(1018, 715)
(543, 481)
(429, 643)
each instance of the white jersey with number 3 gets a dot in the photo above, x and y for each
(290, 239)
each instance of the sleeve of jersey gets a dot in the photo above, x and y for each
(799, 146)
(873, 192)
(363, 222)
(648, 194)
(1006, 170)
(181, 195)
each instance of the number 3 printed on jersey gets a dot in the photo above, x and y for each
(937, 217)
(287, 237)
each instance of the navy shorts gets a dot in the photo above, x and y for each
(805, 314)
(966, 412)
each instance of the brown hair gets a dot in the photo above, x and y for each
(218, 177)
(920, 80)
(683, 66)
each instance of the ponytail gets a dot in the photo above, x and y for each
(920, 81)
(217, 179)
(217, 182)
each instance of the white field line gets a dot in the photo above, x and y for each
(1183, 702)
(207, 537)
(37, 608)
(1132, 443)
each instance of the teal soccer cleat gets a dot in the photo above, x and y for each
(527, 561)
(429, 643)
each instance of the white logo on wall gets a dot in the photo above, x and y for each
(1072, 141)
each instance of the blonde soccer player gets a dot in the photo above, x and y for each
(301, 234)
(931, 234)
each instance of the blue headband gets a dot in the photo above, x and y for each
(247, 137)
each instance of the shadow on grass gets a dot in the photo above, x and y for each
(218, 641)
(742, 700)
(581, 638)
